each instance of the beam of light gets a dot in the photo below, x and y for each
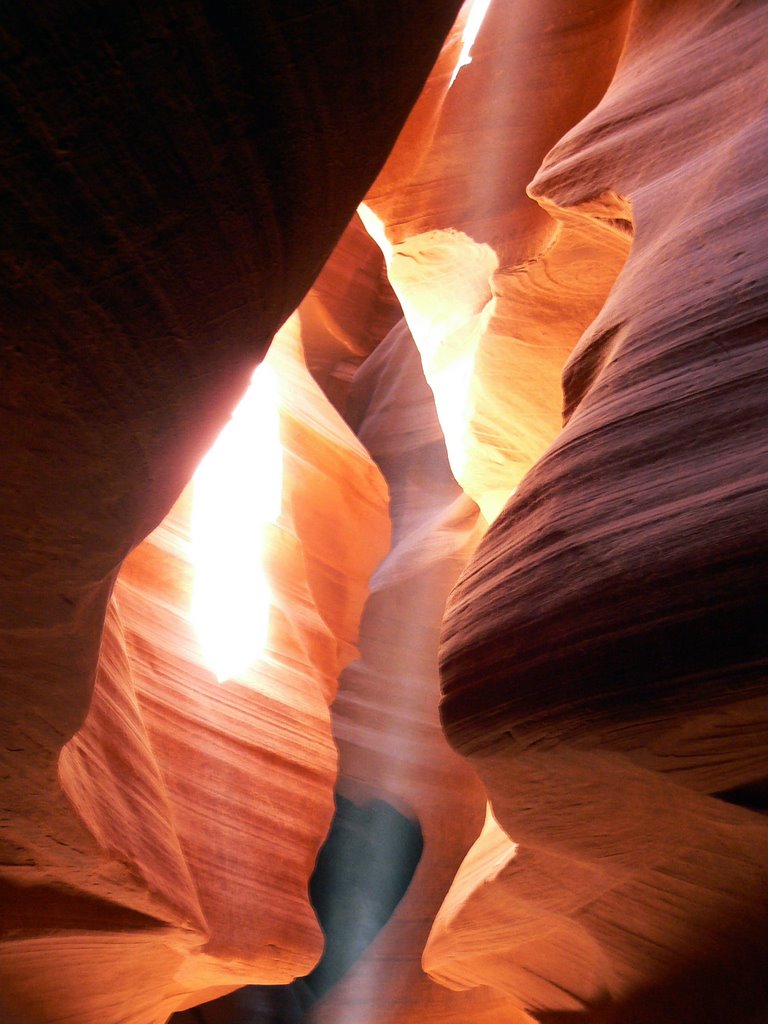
(374, 225)
(237, 494)
(469, 35)
(444, 282)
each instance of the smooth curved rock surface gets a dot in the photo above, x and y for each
(603, 657)
(385, 717)
(168, 197)
(586, 194)
(194, 785)
(163, 216)
(496, 292)
(347, 312)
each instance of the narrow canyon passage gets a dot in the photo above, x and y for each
(437, 693)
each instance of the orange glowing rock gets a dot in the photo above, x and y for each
(496, 292)
(168, 200)
(571, 222)
(195, 784)
(603, 656)
(385, 718)
(348, 310)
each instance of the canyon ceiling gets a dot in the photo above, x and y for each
(499, 502)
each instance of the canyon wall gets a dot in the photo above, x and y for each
(171, 188)
(534, 364)
(603, 657)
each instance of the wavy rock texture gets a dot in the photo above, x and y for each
(160, 226)
(603, 657)
(587, 193)
(347, 312)
(217, 796)
(169, 194)
(385, 718)
(496, 292)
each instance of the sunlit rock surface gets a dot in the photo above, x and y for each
(385, 717)
(216, 796)
(349, 309)
(604, 655)
(168, 198)
(495, 291)
(572, 222)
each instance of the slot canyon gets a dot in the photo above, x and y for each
(384, 506)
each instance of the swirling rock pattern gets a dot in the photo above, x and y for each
(194, 785)
(385, 718)
(603, 656)
(572, 227)
(495, 292)
(169, 194)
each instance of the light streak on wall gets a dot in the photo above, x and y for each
(469, 35)
(237, 494)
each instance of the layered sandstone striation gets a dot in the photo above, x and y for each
(347, 312)
(213, 797)
(495, 290)
(603, 659)
(160, 227)
(385, 718)
(571, 225)
(169, 196)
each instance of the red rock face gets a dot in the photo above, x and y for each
(385, 718)
(603, 662)
(568, 421)
(169, 199)
(496, 292)
(193, 785)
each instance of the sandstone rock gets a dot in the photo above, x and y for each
(170, 192)
(385, 717)
(194, 786)
(347, 312)
(603, 658)
(496, 292)
(582, 200)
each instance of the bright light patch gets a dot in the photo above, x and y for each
(237, 493)
(469, 35)
(375, 228)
